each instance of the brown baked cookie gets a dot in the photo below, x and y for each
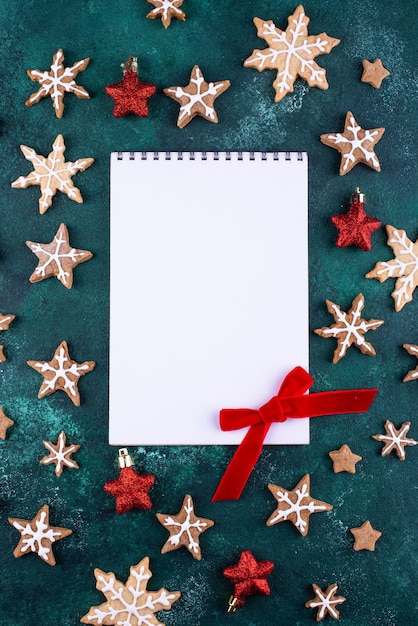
(166, 10)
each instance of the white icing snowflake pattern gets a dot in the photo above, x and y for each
(325, 602)
(166, 9)
(60, 454)
(296, 506)
(131, 604)
(395, 439)
(291, 52)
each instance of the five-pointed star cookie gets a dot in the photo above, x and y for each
(291, 53)
(355, 144)
(365, 537)
(404, 267)
(325, 602)
(57, 258)
(355, 227)
(5, 321)
(344, 460)
(5, 423)
(130, 490)
(166, 9)
(57, 82)
(349, 328)
(395, 440)
(61, 373)
(411, 349)
(184, 529)
(197, 97)
(296, 506)
(374, 73)
(52, 174)
(249, 576)
(60, 454)
(38, 536)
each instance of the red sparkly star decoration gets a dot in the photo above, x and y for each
(355, 227)
(249, 576)
(130, 95)
(130, 489)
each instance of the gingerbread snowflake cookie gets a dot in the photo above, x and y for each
(184, 529)
(325, 602)
(291, 53)
(38, 536)
(61, 373)
(60, 454)
(296, 505)
(57, 258)
(132, 603)
(355, 144)
(166, 10)
(58, 81)
(395, 439)
(413, 350)
(52, 174)
(197, 98)
(349, 328)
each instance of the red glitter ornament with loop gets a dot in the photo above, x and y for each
(249, 577)
(355, 227)
(130, 489)
(130, 95)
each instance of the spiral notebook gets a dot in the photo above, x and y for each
(209, 291)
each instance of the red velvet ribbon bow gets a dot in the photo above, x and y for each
(289, 402)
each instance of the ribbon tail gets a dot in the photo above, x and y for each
(242, 463)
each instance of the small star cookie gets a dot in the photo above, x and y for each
(374, 73)
(61, 373)
(60, 454)
(349, 328)
(325, 602)
(52, 174)
(365, 537)
(184, 529)
(344, 460)
(395, 440)
(197, 97)
(57, 82)
(166, 9)
(38, 536)
(355, 144)
(57, 258)
(5, 423)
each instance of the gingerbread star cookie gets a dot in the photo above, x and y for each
(184, 529)
(5, 423)
(60, 454)
(57, 258)
(197, 97)
(5, 321)
(52, 174)
(129, 604)
(61, 373)
(166, 10)
(395, 440)
(374, 73)
(325, 602)
(355, 144)
(349, 328)
(411, 349)
(365, 537)
(38, 536)
(58, 81)
(344, 460)
(296, 506)
(291, 53)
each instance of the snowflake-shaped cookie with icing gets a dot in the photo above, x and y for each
(355, 144)
(38, 536)
(325, 602)
(61, 373)
(395, 440)
(58, 81)
(167, 9)
(60, 454)
(197, 97)
(349, 328)
(184, 529)
(413, 350)
(5, 321)
(404, 267)
(52, 174)
(296, 506)
(129, 604)
(291, 53)
(57, 258)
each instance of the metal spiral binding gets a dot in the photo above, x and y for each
(214, 156)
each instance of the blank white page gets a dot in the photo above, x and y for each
(209, 292)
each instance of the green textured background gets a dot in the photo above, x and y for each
(380, 587)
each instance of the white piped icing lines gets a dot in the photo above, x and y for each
(60, 454)
(395, 440)
(167, 9)
(325, 602)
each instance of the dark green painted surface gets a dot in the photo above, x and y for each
(380, 587)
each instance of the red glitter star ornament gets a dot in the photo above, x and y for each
(249, 576)
(130, 489)
(355, 227)
(130, 95)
